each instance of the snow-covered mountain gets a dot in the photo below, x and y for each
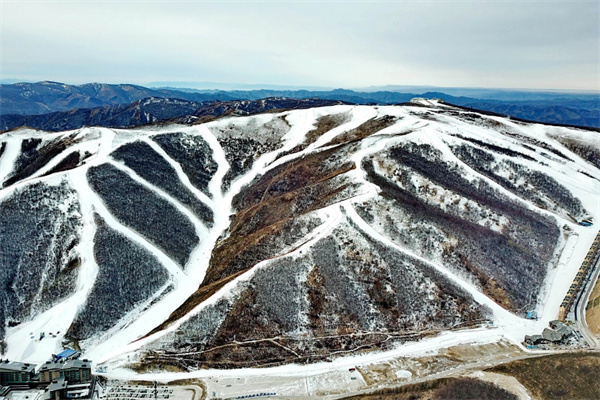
(154, 110)
(296, 236)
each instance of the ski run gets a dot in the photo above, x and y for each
(113, 347)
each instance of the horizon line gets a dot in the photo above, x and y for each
(265, 86)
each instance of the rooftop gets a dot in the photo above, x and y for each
(66, 353)
(551, 335)
(15, 366)
(58, 384)
(57, 365)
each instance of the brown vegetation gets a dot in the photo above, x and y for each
(144, 367)
(441, 389)
(561, 376)
(592, 310)
(323, 125)
(267, 207)
(366, 129)
(198, 297)
(265, 351)
(69, 162)
(316, 297)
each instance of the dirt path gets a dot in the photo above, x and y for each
(509, 383)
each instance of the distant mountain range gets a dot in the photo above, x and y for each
(46, 97)
(153, 110)
(35, 99)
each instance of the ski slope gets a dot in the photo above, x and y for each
(122, 343)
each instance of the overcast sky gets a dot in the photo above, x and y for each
(515, 44)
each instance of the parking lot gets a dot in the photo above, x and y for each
(131, 392)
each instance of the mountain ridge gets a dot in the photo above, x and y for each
(290, 236)
(581, 109)
(154, 110)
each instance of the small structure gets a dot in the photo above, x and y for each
(556, 324)
(16, 373)
(532, 315)
(534, 340)
(551, 335)
(68, 354)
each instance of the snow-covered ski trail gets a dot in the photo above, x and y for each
(440, 144)
(185, 180)
(127, 339)
(9, 157)
(58, 319)
(513, 327)
(200, 257)
(199, 226)
(120, 338)
(332, 216)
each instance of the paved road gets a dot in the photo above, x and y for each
(582, 302)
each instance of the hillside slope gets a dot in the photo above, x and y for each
(47, 97)
(27, 101)
(295, 236)
(153, 110)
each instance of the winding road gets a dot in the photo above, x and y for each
(582, 302)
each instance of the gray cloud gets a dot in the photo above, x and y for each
(348, 44)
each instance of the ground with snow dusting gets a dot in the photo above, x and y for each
(339, 233)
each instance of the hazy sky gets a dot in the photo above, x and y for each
(528, 44)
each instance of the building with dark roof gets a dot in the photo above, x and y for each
(16, 373)
(67, 379)
(57, 389)
(75, 371)
(551, 335)
(535, 339)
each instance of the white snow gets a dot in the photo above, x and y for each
(180, 174)
(403, 374)
(199, 226)
(115, 346)
(10, 155)
(21, 345)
